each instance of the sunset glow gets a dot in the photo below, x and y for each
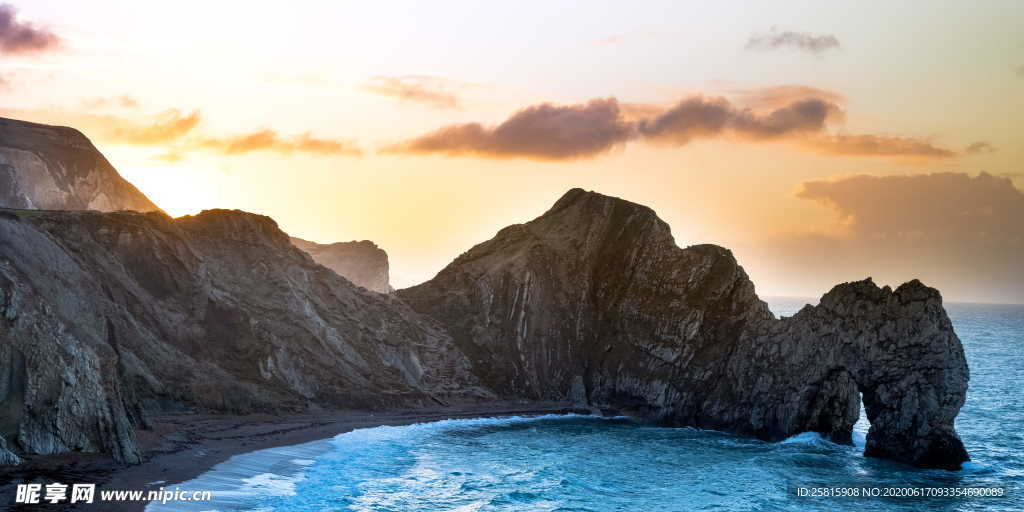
(427, 128)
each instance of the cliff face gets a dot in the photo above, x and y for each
(107, 317)
(57, 168)
(594, 302)
(363, 262)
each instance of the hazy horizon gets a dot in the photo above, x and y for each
(819, 144)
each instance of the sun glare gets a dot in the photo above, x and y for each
(178, 190)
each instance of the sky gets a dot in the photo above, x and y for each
(821, 141)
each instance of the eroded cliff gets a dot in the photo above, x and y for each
(57, 168)
(361, 262)
(108, 317)
(594, 302)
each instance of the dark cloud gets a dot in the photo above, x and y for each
(22, 37)
(874, 145)
(550, 132)
(427, 90)
(270, 140)
(544, 132)
(169, 126)
(700, 117)
(980, 147)
(691, 118)
(776, 39)
(959, 233)
(971, 208)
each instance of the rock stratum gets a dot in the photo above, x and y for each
(58, 168)
(106, 318)
(109, 318)
(594, 302)
(361, 262)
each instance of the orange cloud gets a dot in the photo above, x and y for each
(874, 145)
(169, 126)
(123, 101)
(270, 140)
(427, 90)
(176, 133)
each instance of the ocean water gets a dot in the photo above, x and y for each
(581, 463)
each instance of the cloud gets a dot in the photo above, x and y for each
(874, 145)
(972, 208)
(776, 39)
(270, 140)
(776, 96)
(169, 157)
(957, 232)
(543, 132)
(177, 134)
(980, 147)
(123, 101)
(699, 117)
(168, 127)
(422, 89)
(566, 132)
(1020, 71)
(22, 37)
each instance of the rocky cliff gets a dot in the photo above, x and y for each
(57, 168)
(108, 317)
(362, 262)
(594, 302)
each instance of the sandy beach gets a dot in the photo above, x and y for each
(181, 447)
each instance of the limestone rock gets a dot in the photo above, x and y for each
(361, 262)
(595, 294)
(57, 168)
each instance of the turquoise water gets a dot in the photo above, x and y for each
(580, 463)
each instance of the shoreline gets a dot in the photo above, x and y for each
(181, 447)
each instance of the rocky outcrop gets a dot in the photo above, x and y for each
(362, 262)
(57, 168)
(593, 301)
(106, 318)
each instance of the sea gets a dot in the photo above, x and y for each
(583, 463)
